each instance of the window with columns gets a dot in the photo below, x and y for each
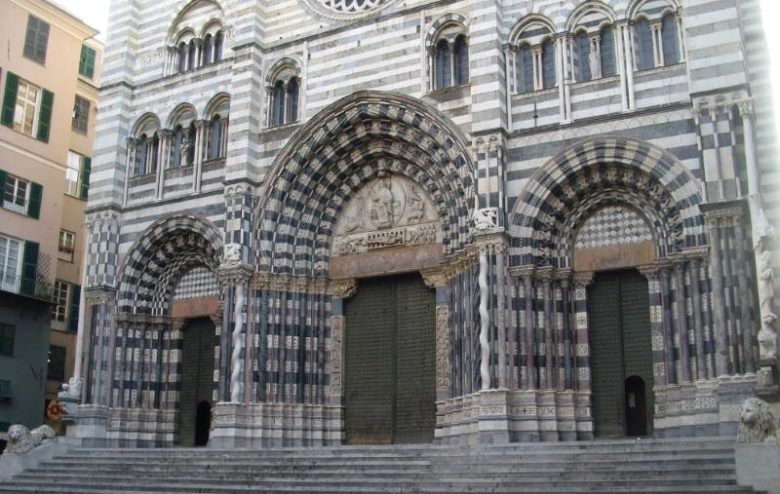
(217, 138)
(532, 57)
(194, 52)
(146, 154)
(535, 67)
(593, 54)
(284, 99)
(657, 42)
(450, 57)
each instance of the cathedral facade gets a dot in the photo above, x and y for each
(317, 222)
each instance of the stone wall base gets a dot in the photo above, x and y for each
(241, 425)
(101, 426)
(496, 416)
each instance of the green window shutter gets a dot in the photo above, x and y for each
(3, 176)
(85, 172)
(87, 62)
(44, 117)
(29, 268)
(73, 308)
(36, 197)
(9, 100)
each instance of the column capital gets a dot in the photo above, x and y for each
(745, 106)
(583, 278)
(434, 277)
(229, 273)
(344, 288)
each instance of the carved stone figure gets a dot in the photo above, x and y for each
(382, 208)
(184, 151)
(766, 290)
(485, 219)
(767, 342)
(232, 255)
(71, 389)
(21, 439)
(756, 422)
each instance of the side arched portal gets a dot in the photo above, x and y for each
(164, 360)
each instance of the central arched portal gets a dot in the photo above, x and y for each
(390, 388)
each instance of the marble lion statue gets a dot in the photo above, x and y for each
(756, 422)
(21, 439)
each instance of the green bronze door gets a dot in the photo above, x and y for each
(389, 362)
(621, 354)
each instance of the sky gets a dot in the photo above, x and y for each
(95, 13)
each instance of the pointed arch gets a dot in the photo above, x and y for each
(345, 146)
(157, 261)
(599, 172)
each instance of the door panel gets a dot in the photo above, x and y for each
(415, 363)
(620, 343)
(389, 362)
(197, 375)
(369, 350)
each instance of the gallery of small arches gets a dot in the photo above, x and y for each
(593, 42)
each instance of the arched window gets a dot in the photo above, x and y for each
(548, 64)
(176, 145)
(461, 60)
(449, 57)
(182, 56)
(524, 67)
(208, 49)
(191, 51)
(291, 103)
(670, 39)
(443, 64)
(215, 150)
(141, 153)
(607, 51)
(153, 145)
(582, 57)
(277, 104)
(218, 42)
(189, 144)
(644, 45)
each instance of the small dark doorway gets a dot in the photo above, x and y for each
(390, 387)
(202, 423)
(196, 382)
(636, 407)
(621, 354)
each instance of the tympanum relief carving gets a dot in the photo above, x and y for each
(389, 211)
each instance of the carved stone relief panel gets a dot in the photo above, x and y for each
(389, 211)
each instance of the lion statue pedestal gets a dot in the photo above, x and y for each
(27, 448)
(758, 450)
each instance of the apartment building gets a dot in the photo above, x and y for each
(49, 82)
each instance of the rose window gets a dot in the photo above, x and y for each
(347, 9)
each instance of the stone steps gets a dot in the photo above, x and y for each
(658, 466)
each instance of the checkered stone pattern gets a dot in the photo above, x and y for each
(722, 151)
(292, 330)
(613, 225)
(239, 206)
(601, 172)
(342, 149)
(197, 283)
(156, 262)
(102, 249)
